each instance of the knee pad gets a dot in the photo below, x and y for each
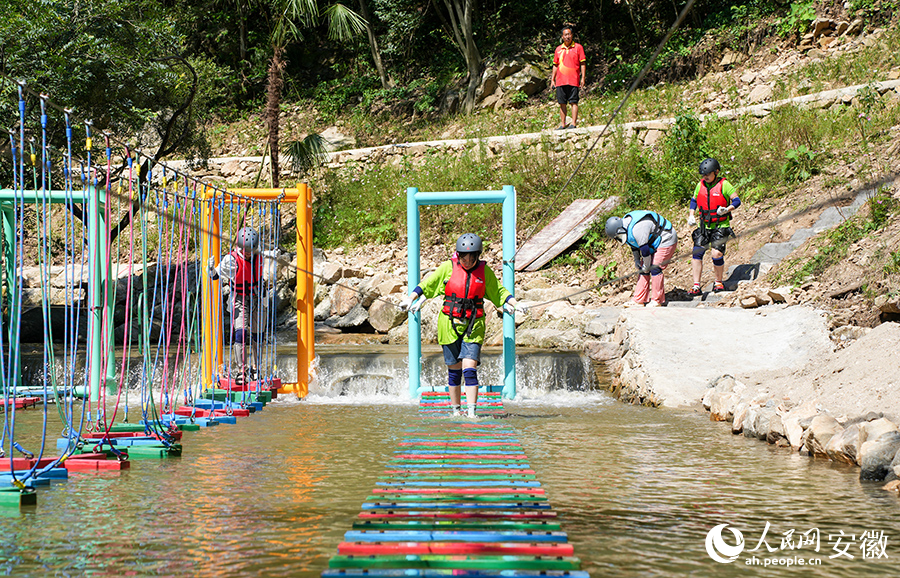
(241, 336)
(454, 377)
(654, 271)
(698, 252)
(718, 262)
(471, 376)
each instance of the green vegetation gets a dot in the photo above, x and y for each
(799, 18)
(763, 157)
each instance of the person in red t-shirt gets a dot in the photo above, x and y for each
(568, 76)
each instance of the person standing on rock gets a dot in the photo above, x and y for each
(243, 269)
(716, 198)
(465, 281)
(568, 76)
(652, 239)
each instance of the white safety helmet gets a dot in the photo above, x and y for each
(247, 238)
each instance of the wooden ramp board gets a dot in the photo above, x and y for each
(562, 232)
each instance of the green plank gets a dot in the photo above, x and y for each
(154, 452)
(15, 498)
(130, 427)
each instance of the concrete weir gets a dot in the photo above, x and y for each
(669, 355)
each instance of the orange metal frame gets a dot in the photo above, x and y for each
(213, 339)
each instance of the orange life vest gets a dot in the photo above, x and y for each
(248, 274)
(708, 200)
(464, 291)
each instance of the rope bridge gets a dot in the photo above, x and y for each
(105, 262)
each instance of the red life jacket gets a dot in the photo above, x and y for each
(708, 200)
(248, 274)
(464, 291)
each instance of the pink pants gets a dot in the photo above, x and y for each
(654, 284)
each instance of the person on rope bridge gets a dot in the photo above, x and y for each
(716, 198)
(243, 269)
(652, 239)
(465, 281)
(568, 76)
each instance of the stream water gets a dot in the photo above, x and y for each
(637, 490)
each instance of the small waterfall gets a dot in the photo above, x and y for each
(364, 371)
(368, 372)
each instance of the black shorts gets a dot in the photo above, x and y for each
(567, 94)
(710, 238)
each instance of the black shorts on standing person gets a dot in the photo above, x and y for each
(567, 94)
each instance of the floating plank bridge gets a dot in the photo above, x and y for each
(457, 499)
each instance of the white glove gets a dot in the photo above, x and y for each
(412, 303)
(723, 210)
(511, 307)
(691, 220)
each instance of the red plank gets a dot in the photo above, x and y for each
(488, 548)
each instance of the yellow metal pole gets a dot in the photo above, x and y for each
(310, 280)
(210, 241)
(303, 290)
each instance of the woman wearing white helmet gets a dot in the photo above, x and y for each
(243, 269)
(652, 240)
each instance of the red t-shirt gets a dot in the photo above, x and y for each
(568, 62)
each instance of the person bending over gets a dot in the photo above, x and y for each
(652, 239)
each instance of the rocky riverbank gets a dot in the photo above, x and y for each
(775, 374)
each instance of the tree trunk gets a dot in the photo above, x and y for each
(273, 108)
(386, 81)
(460, 26)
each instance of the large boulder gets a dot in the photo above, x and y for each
(725, 396)
(344, 297)
(876, 457)
(872, 430)
(601, 351)
(384, 316)
(777, 433)
(530, 80)
(353, 318)
(546, 338)
(821, 429)
(844, 446)
(756, 424)
(739, 416)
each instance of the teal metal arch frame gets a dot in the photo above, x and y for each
(415, 199)
(99, 303)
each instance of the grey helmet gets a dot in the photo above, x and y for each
(247, 238)
(708, 166)
(468, 243)
(615, 229)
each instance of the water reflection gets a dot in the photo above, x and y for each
(637, 490)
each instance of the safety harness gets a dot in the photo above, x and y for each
(464, 296)
(710, 199)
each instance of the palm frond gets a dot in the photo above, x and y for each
(343, 23)
(307, 153)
